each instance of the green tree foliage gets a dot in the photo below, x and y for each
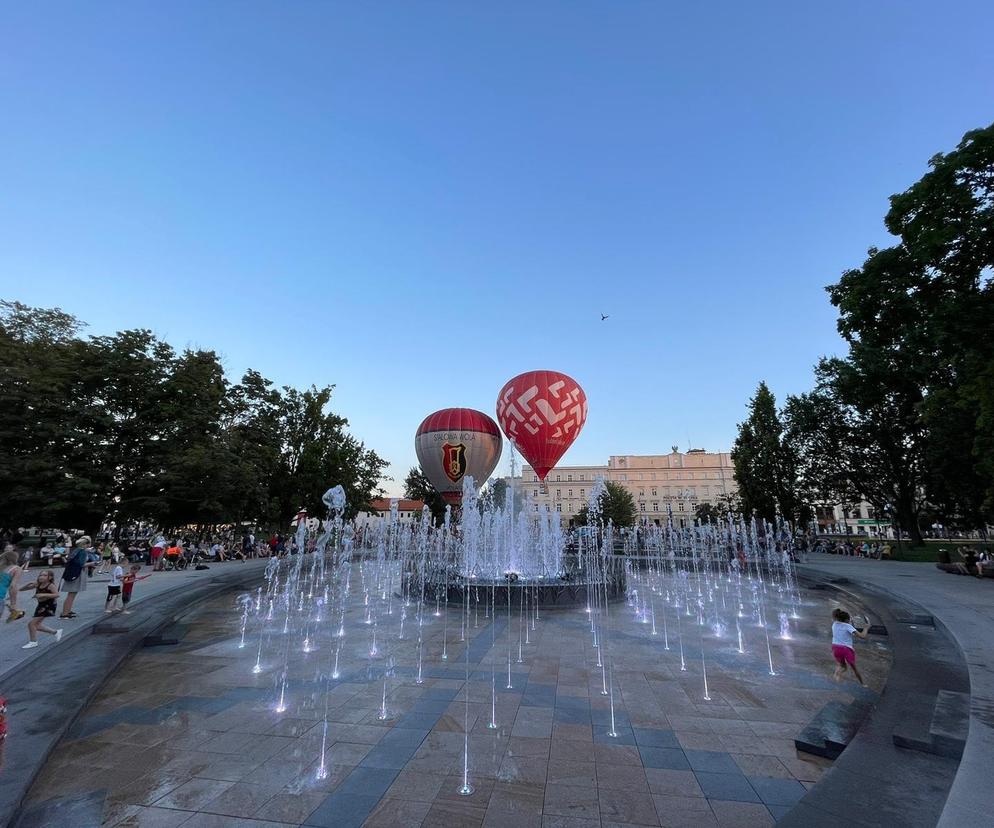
(766, 463)
(617, 505)
(906, 418)
(717, 512)
(122, 426)
(417, 486)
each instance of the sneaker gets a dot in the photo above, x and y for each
(58, 635)
(30, 645)
(15, 615)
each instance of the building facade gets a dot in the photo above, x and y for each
(661, 484)
(408, 511)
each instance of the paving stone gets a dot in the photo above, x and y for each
(730, 786)
(661, 757)
(776, 791)
(711, 761)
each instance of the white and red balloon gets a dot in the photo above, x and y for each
(456, 442)
(541, 412)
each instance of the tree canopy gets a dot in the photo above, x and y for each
(124, 427)
(617, 505)
(905, 419)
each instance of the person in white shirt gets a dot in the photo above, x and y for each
(842, 648)
(114, 590)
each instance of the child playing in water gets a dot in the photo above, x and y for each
(842, 649)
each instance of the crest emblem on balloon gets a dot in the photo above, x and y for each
(542, 412)
(456, 442)
(454, 461)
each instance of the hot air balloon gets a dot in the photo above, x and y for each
(456, 442)
(541, 412)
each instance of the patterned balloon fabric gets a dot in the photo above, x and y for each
(541, 412)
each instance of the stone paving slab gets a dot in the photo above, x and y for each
(213, 750)
(964, 608)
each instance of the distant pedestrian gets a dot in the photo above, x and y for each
(114, 589)
(74, 575)
(842, 644)
(128, 585)
(9, 573)
(158, 548)
(105, 558)
(47, 597)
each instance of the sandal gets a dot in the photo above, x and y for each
(70, 615)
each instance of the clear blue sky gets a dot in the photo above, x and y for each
(416, 201)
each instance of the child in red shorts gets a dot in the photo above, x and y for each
(128, 585)
(842, 649)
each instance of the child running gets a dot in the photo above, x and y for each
(47, 597)
(9, 573)
(128, 584)
(842, 649)
(114, 590)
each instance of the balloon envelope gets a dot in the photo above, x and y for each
(541, 412)
(456, 442)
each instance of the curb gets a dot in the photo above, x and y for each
(78, 673)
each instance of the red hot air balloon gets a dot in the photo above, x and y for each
(541, 412)
(456, 442)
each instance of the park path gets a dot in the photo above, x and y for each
(89, 608)
(965, 607)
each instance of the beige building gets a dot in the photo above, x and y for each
(660, 483)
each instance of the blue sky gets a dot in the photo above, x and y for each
(416, 201)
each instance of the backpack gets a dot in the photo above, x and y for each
(75, 567)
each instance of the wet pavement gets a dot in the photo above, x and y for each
(188, 735)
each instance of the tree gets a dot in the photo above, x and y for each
(766, 463)
(56, 461)
(417, 486)
(617, 505)
(904, 419)
(717, 512)
(122, 426)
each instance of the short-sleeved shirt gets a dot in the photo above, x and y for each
(115, 576)
(842, 634)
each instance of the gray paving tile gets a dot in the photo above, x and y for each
(711, 761)
(731, 786)
(669, 758)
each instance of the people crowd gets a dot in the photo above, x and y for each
(34, 567)
(854, 549)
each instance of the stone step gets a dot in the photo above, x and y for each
(948, 729)
(832, 728)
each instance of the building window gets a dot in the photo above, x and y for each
(641, 507)
(679, 507)
(559, 493)
(581, 477)
(536, 492)
(653, 475)
(559, 507)
(690, 475)
(641, 492)
(569, 478)
(622, 477)
(558, 478)
(655, 507)
(583, 493)
(569, 493)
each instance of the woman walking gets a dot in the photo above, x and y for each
(47, 597)
(74, 575)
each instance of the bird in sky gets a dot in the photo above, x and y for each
(604, 316)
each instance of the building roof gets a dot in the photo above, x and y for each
(382, 504)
